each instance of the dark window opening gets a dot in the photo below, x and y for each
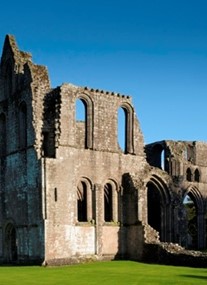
(189, 175)
(11, 243)
(108, 203)
(154, 207)
(82, 202)
(55, 194)
(197, 176)
(48, 146)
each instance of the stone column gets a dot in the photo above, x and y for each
(99, 211)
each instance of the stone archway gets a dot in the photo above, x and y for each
(159, 208)
(195, 218)
(10, 243)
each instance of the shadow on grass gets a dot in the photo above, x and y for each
(194, 276)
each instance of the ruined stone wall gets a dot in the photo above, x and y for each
(21, 225)
(99, 162)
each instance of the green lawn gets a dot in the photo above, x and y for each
(114, 273)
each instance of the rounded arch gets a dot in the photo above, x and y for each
(127, 133)
(113, 183)
(111, 203)
(159, 206)
(88, 118)
(85, 200)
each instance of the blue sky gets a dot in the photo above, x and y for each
(153, 50)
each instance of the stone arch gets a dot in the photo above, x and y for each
(85, 200)
(159, 207)
(23, 125)
(89, 120)
(10, 242)
(111, 201)
(197, 175)
(198, 240)
(188, 174)
(128, 127)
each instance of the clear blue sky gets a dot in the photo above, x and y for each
(153, 50)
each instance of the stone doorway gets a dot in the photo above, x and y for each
(10, 244)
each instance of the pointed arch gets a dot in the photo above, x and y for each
(159, 206)
(197, 175)
(196, 223)
(125, 126)
(188, 174)
(84, 127)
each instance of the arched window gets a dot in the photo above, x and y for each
(23, 125)
(122, 127)
(125, 129)
(188, 174)
(82, 202)
(11, 250)
(108, 206)
(197, 175)
(84, 122)
(110, 202)
(192, 225)
(85, 201)
(2, 134)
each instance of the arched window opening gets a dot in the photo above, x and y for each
(158, 158)
(154, 207)
(122, 129)
(23, 125)
(11, 243)
(191, 219)
(108, 203)
(80, 110)
(81, 122)
(48, 145)
(2, 134)
(197, 175)
(163, 159)
(188, 175)
(82, 201)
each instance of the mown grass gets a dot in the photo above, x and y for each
(112, 273)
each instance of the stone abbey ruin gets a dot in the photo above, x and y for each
(69, 192)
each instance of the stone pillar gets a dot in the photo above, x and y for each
(99, 211)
